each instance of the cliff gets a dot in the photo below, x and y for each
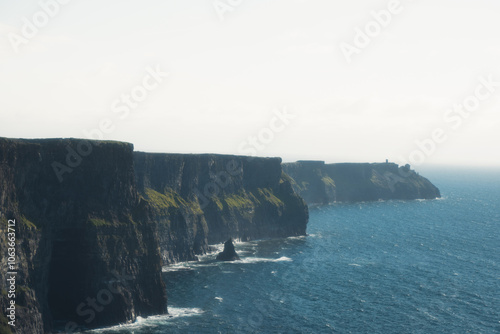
(320, 183)
(85, 243)
(96, 221)
(207, 199)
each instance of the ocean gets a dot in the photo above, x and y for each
(423, 266)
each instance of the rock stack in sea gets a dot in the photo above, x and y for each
(229, 253)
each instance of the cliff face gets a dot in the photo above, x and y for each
(95, 220)
(320, 183)
(86, 246)
(206, 199)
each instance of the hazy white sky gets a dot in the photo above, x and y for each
(234, 64)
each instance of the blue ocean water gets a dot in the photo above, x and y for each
(429, 266)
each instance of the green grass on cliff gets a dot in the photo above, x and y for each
(100, 222)
(269, 196)
(328, 181)
(246, 202)
(170, 199)
(234, 201)
(218, 202)
(161, 201)
(378, 179)
(27, 222)
(285, 177)
(243, 202)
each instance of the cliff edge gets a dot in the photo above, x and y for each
(320, 183)
(86, 248)
(94, 222)
(203, 199)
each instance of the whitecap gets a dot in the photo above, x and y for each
(263, 259)
(154, 320)
(176, 312)
(188, 266)
(300, 237)
(178, 266)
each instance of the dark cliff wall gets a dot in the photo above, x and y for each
(320, 183)
(85, 239)
(206, 199)
(94, 221)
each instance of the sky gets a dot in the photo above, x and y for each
(361, 81)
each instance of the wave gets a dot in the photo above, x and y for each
(263, 259)
(154, 320)
(244, 248)
(176, 312)
(189, 266)
(179, 266)
(299, 237)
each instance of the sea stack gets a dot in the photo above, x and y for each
(228, 254)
